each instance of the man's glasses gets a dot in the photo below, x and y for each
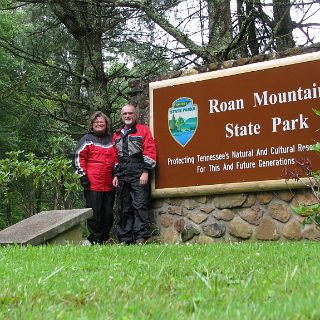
(127, 113)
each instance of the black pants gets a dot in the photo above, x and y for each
(100, 224)
(134, 218)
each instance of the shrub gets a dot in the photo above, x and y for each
(29, 184)
(303, 168)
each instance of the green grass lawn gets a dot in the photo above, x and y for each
(264, 280)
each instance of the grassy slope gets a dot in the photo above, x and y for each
(222, 281)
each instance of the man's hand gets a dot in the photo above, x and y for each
(115, 182)
(144, 178)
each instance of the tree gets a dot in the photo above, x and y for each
(80, 54)
(179, 123)
(254, 27)
(220, 24)
(78, 49)
(29, 184)
(283, 24)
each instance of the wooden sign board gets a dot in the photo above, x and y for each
(235, 130)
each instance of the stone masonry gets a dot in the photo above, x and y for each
(233, 217)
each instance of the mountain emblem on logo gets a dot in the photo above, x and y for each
(183, 120)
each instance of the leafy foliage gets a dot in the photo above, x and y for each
(29, 185)
(303, 167)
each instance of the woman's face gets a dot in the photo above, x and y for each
(99, 125)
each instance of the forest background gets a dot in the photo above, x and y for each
(62, 60)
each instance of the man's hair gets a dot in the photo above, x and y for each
(97, 114)
(130, 105)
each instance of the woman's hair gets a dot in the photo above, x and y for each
(97, 114)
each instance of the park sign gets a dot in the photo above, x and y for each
(235, 130)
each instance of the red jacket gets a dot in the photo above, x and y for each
(95, 159)
(136, 150)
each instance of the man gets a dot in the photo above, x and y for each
(136, 157)
(94, 161)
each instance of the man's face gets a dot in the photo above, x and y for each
(128, 115)
(99, 125)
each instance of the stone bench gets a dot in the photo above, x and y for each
(54, 227)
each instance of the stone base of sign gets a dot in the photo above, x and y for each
(56, 227)
(257, 216)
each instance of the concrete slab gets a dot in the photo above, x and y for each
(46, 226)
(71, 236)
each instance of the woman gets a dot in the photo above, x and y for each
(94, 161)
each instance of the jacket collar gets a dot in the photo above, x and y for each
(98, 134)
(133, 129)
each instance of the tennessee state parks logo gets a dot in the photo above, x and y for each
(183, 120)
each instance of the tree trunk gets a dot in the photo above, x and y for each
(252, 36)
(243, 50)
(283, 24)
(95, 82)
(8, 213)
(220, 25)
(38, 199)
(83, 20)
